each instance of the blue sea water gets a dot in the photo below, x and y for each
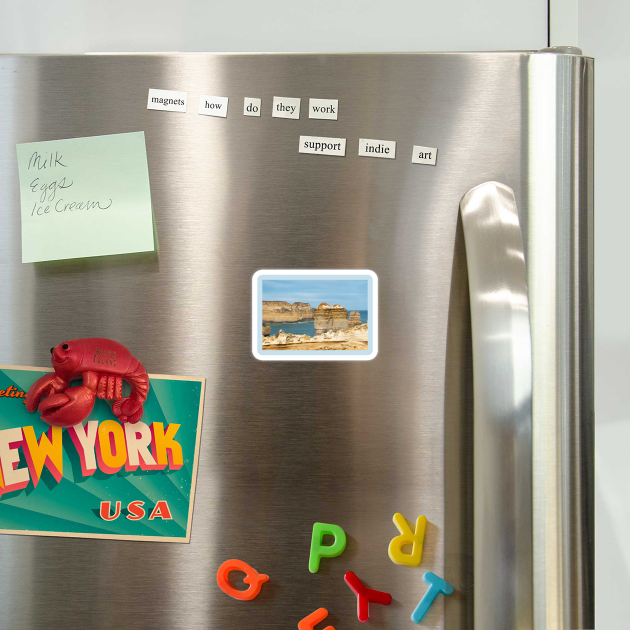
(305, 328)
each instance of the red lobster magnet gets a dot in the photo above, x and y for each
(102, 364)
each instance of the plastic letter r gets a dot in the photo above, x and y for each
(407, 537)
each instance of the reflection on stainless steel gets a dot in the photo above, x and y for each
(502, 364)
(288, 444)
(559, 256)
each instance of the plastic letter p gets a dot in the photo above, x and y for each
(319, 551)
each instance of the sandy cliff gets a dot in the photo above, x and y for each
(330, 318)
(354, 319)
(283, 312)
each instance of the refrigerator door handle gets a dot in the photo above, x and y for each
(502, 374)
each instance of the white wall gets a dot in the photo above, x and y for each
(270, 25)
(604, 27)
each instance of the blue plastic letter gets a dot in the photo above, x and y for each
(436, 586)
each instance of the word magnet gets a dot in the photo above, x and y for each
(252, 577)
(213, 106)
(285, 107)
(251, 106)
(365, 595)
(319, 550)
(167, 100)
(424, 155)
(323, 108)
(377, 148)
(407, 537)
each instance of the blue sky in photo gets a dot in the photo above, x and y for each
(351, 294)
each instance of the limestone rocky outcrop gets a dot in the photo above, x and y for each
(354, 334)
(328, 317)
(354, 319)
(283, 312)
(266, 330)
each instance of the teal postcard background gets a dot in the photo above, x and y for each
(72, 505)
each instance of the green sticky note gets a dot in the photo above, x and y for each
(85, 197)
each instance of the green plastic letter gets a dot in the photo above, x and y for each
(319, 551)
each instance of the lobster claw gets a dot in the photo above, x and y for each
(68, 408)
(128, 410)
(43, 386)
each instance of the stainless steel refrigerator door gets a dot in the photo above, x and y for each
(283, 444)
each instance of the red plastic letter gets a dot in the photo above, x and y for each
(253, 578)
(308, 623)
(365, 596)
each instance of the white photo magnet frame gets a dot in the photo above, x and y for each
(314, 355)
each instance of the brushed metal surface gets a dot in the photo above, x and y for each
(560, 276)
(283, 445)
(502, 369)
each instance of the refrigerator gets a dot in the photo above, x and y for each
(474, 406)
